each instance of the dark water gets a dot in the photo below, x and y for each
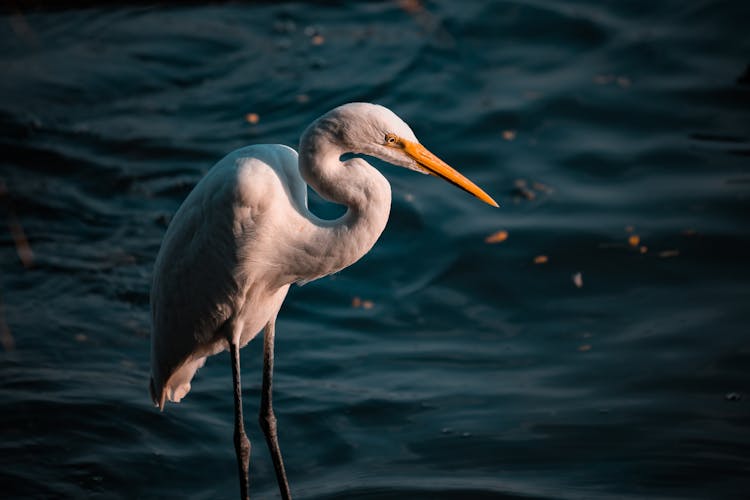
(476, 373)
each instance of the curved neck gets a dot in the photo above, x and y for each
(338, 243)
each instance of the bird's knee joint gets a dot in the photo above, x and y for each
(267, 419)
(241, 441)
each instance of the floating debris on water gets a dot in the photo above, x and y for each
(527, 193)
(522, 189)
(317, 40)
(509, 135)
(578, 280)
(584, 348)
(541, 259)
(665, 254)
(497, 237)
(538, 186)
(634, 240)
(733, 396)
(362, 303)
(252, 118)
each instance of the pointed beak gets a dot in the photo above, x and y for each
(437, 167)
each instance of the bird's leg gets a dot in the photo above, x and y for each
(241, 442)
(267, 418)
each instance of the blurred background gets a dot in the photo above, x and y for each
(589, 339)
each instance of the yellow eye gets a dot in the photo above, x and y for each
(390, 139)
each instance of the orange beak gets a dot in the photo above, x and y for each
(437, 167)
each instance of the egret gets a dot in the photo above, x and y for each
(245, 234)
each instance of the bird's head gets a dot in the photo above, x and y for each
(375, 130)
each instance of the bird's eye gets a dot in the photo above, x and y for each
(390, 139)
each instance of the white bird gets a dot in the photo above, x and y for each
(245, 234)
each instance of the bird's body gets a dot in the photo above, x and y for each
(245, 234)
(228, 258)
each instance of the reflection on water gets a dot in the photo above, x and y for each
(598, 349)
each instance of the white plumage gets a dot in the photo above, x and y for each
(245, 234)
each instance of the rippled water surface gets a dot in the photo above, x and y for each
(614, 134)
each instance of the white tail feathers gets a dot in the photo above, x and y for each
(178, 384)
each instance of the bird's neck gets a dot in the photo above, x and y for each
(354, 183)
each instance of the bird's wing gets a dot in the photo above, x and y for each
(199, 278)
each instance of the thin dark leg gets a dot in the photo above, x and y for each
(241, 443)
(267, 417)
